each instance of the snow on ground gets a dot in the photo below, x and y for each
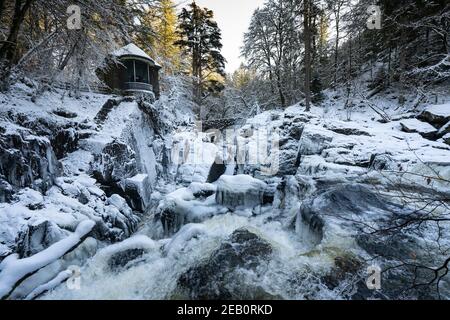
(333, 143)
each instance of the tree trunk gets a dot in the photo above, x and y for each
(8, 50)
(307, 33)
(280, 91)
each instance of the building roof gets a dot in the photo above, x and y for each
(133, 50)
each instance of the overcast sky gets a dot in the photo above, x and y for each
(233, 18)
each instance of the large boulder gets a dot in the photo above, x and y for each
(426, 130)
(218, 276)
(138, 190)
(116, 163)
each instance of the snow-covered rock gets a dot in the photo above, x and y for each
(352, 214)
(347, 129)
(188, 205)
(120, 215)
(444, 130)
(122, 254)
(65, 141)
(289, 154)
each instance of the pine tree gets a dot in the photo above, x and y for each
(201, 40)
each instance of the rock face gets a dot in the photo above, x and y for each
(137, 189)
(437, 115)
(415, 126)
(27, 160)
(6, 191)
(216, 171)
(289, 159)
(38, 237)
(65, 141)
(314, 141)
(216, 278)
